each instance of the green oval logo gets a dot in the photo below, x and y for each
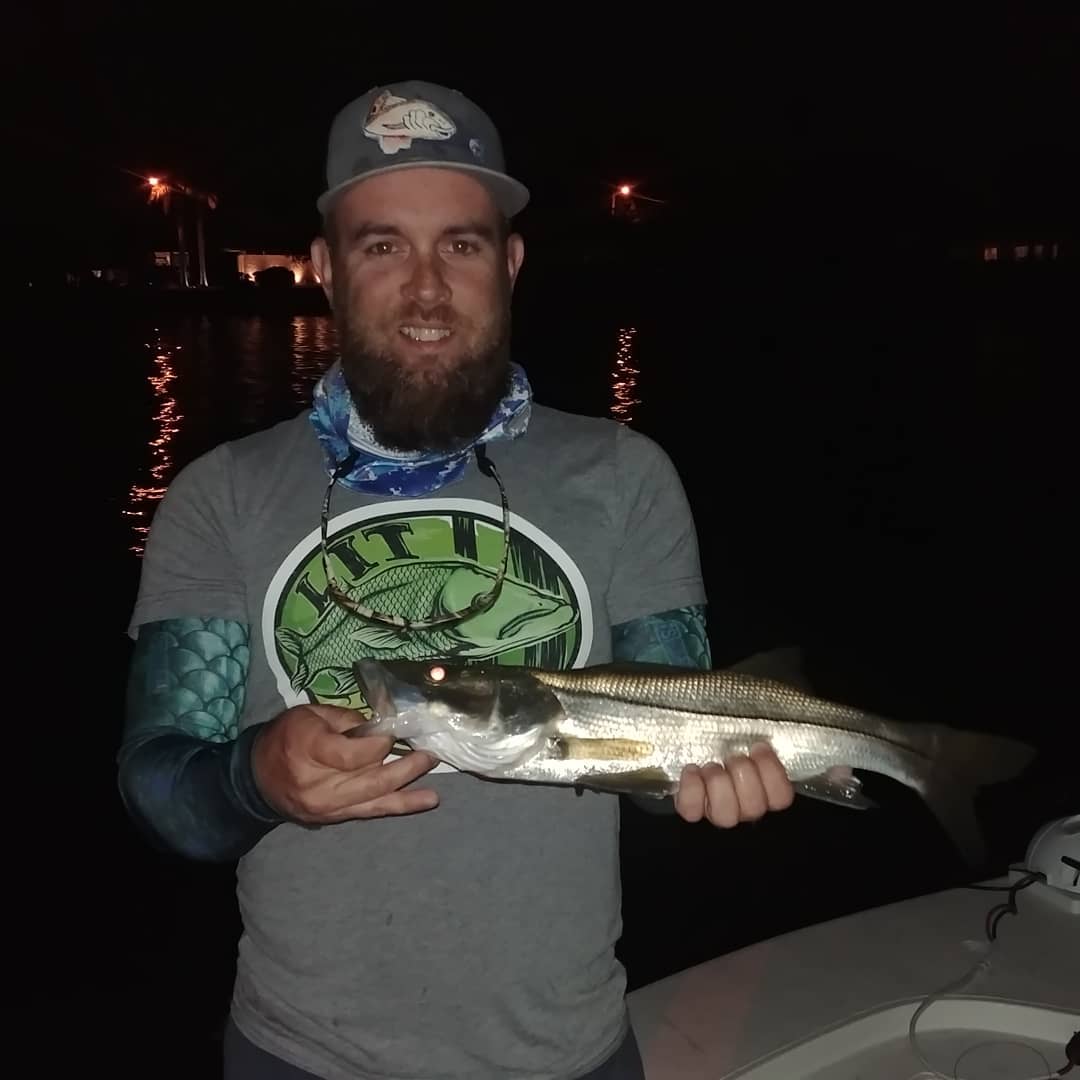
(432, 560)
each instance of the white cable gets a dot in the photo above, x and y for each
(953, 988)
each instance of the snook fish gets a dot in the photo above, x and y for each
(631, 728)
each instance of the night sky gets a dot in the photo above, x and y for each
(868, 126)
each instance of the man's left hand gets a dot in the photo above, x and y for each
(745, 790)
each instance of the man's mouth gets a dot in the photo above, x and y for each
(425, 333)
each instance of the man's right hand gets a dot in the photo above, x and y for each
(310, 771)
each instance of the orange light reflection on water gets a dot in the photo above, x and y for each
(143, 497)
(314, 350)
(624, 377)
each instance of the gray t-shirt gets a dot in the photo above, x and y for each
(475, 940)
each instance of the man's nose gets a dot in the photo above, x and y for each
(427, 283)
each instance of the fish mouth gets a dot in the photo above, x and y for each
(518, 621)
(400, 707)
(378, 688)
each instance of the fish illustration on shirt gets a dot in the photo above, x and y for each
(395, 121)
(523, 615)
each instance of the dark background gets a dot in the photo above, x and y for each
(869, 132)
(874, 425)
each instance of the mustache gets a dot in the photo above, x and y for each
(440, 313)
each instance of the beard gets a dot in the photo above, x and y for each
(440, 405)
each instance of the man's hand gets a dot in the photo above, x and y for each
(312, 772)
(743, 791)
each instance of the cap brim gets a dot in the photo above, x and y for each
(511, 196)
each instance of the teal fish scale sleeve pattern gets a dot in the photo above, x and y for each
(191, 675)
(184, 766)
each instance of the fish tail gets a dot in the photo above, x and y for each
(961, 762)
(292, 642)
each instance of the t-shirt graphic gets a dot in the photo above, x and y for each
(432, 559)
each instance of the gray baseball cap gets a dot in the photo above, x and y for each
(413, 123)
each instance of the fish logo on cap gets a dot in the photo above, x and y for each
(395, 121)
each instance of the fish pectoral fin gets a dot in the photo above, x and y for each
(652, 782)
(568, 746)
(344, 681)
(377, 637)
(839, 790)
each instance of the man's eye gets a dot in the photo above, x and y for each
(380, 247)
(463, 247)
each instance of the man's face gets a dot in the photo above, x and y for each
(420, 282)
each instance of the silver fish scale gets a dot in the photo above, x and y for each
(806, 733)
(729, 693)
(632, 728)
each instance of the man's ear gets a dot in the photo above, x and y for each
(515, 255)
(324, 270)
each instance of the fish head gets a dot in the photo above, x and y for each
(522, 614)
(480, 717)
(433, 122)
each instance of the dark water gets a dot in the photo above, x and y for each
(881, 472)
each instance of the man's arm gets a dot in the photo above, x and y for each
(200, 787)
(678, 637)
(189, 777)
(185, 769)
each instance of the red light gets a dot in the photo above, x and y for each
(624, 190)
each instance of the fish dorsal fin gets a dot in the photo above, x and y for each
(386, 101)
(714, 692)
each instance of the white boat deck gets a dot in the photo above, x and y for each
(833, 1001)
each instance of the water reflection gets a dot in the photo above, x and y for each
(273, 364)
(314, 350)
(624, 377)
(143, 497)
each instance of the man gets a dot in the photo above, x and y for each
(402, 919)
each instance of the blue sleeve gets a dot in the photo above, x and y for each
(184, 767)
(678, 637)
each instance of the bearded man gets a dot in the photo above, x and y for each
(401, 918)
